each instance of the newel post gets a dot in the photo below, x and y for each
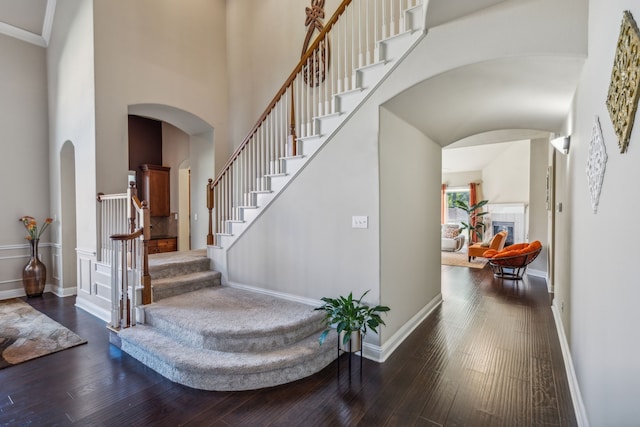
(210, 208)
(131, 213)
(146, 233)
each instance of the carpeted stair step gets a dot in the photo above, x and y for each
(175, 285)
(174, 264)
(223, 371)
(233, 320)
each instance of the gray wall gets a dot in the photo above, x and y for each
(596, 273)
(24, 163)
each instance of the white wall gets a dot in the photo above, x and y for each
(265, 41)
(157, 52)
(604, 293)
(538, 224)
(506, 178)
(24, 165)
(461, 179)
(175, 150)
(70, 70)
(303, 244)
(409, 220)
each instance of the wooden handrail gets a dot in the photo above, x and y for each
(129, 236)
(283, 89)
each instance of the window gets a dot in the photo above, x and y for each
(455, 215)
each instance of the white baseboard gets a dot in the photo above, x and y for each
(381, 353)
(304, 300)
(370, 351)
(93, 309)
(576, 396)
(19, 292)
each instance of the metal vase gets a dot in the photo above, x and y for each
(34, 275)
(354, 344)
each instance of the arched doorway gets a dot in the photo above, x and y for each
(67, 263)
(200, 164)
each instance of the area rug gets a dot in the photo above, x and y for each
(26, 334)
(461, 259)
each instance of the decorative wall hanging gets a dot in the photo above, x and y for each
(624, 89)
(596, 164)
(315, 70)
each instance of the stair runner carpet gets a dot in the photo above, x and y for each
(222, 338)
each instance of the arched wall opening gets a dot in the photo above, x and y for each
(67, 277)
(192, 167)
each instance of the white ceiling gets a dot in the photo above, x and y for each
(27, 20)
(484, 106)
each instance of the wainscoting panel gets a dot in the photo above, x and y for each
(84, 272)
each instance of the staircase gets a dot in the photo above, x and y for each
(212, 337)
(262, 167)
(209, 337)
(175, 273)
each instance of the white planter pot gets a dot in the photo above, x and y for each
(354, 344)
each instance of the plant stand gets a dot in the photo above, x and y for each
(340, 351)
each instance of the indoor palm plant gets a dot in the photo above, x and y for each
(475, 225)
(351, 318)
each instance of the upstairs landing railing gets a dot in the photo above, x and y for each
(348, 41)
(125, 231)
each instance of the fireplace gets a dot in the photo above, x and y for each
(507, 226)
(510, 217)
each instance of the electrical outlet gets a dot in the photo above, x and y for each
(359, 222)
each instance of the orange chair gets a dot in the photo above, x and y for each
(513, 258)
(496, 243)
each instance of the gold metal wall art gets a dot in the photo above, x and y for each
(624, 89)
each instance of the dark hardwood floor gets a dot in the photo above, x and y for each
(488, 356)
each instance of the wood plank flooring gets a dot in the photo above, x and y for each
(488, 356)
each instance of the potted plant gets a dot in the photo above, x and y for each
(352, 318)
(475, 225)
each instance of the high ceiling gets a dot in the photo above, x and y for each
(27, 20)
(533, 93)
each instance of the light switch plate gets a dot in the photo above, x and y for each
(359, 222)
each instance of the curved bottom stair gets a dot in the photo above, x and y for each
(224, 339)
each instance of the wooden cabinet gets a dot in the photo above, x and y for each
(155, 189)
(169, 244)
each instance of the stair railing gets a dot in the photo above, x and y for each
(348, 41)
(127, 253)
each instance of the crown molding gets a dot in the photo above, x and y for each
(29, 37)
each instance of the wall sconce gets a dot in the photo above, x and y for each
(561, 144)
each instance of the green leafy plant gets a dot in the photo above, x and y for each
(349, 315)
(475, 225)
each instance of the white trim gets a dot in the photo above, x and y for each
(47, 24)
(63, 292)
(12, 293)
(304, 300)
(25, 246)
(86, 252)
(370, 351)
(576, 396)
(537, 273)
(93, 309)
(19, 292)
(381, 353)
(20, 34)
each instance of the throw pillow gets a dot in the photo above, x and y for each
(451, 232)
